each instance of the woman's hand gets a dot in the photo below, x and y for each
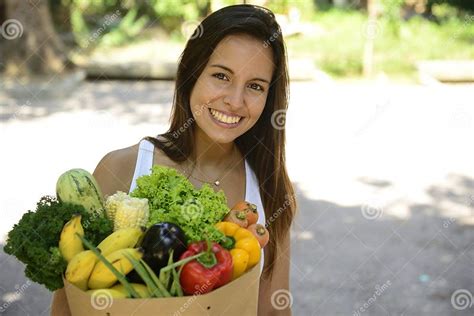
(280, 282)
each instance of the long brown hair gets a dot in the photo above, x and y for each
(264, 144)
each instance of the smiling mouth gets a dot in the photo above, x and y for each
(225, 119)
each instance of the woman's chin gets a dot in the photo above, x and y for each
(223, 139)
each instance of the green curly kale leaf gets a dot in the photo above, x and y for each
(172, 198)
(34, 239)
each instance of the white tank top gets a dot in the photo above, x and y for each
(252, 193)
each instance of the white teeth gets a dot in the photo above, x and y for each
(224, 118)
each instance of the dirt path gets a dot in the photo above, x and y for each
(384, 175)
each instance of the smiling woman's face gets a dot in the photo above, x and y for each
(230, 94)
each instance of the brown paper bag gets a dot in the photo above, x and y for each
(239, 297)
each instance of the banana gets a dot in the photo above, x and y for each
(103, 295)
(120, 239)
(141, 289)
(102, 278)
(69, 243)
(80, 268)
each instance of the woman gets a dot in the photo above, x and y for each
(232, 79)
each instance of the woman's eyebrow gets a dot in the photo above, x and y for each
(232, 72)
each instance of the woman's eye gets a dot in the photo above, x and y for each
(220, 76)
(256, 87)
(253, 86)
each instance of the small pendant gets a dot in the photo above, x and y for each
(216, 183)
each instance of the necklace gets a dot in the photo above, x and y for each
(217, 181)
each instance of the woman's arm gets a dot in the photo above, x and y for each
(280, 281)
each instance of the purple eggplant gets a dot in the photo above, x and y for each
(157, 242)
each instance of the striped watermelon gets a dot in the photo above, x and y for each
(78, 186)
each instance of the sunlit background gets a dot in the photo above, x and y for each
(379, 134)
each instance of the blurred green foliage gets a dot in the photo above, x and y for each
(391, 13)
(102, 22)
(336, 46)
(116, 22)
(306, 8)
(461, 4)
(172, 14)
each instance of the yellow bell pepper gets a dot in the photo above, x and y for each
(244, 247)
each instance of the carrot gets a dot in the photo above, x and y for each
(237, 217)
(240, 206)
(261, 233)
(250, 210)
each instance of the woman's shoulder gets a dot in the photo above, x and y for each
(114, 171)
(119, 158)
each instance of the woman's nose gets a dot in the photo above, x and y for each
(234, 97)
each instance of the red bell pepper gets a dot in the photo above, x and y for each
(209, 271)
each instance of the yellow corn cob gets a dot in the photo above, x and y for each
(113, 202)
(127, 211)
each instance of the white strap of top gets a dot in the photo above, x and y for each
(144, 161)
(252, 195)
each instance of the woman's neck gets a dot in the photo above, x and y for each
(209, 154)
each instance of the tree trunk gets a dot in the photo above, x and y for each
(31, 45)
(370, 34)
